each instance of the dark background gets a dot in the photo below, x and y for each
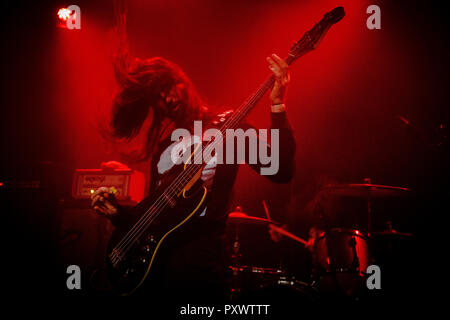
(344, 104)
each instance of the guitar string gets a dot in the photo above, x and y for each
(185, 173)
(142, 225)
(143, 222)
(149, 216)
(157, 206)
(139, 225)
(229, 122)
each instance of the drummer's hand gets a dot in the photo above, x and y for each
(104, 202)
(310, 244)
(314, 233)
(275, 235)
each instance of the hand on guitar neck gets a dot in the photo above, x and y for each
(280, 69)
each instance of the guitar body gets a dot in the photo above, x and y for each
(130, 272)
(134, 248)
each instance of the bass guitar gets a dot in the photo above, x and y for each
(132, 251)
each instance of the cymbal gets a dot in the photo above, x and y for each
(240, 217)
(365, 190)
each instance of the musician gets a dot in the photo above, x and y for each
(157, 90)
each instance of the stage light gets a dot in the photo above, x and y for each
(70, 17)
(64, 14)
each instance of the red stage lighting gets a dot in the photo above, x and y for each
(69, 17)
(64, 14)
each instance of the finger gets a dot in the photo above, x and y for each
(109, 195)
(106, 209)
(94, 200)
(99, 191)
(282, 77)
(282, 66)
(100, 210)
(280, 72)
(286, 79)
(280, 61)
(273, 62)
(101, 205)
(110, 207)
(100, 200)
(276, 71)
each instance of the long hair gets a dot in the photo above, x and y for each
(141, 83)
(140, 88)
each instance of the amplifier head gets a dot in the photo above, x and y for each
(129, 184)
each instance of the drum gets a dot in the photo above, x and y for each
(341, 258)
(271, 286)
(244, 278)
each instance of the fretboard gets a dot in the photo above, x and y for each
(231, 123)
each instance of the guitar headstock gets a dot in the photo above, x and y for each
(312, 38)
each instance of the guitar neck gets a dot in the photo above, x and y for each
(235, 119)
(307, 43)
(251, 102)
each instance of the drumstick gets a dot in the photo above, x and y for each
(288, 234)
(281, 230)
(266, 210)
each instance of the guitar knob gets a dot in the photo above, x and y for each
(151, 238)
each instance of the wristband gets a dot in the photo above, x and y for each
(276, 108)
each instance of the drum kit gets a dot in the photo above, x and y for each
(340, 256)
